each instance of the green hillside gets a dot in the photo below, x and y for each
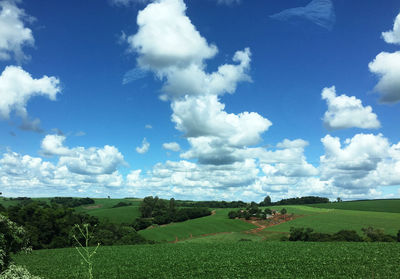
(216, 223)
(372, 205)
(223, 260)
(333, 220)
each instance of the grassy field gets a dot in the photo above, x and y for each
(224, 260)
(206, 225)
(373, 205)
(103, 209)
(333, 220)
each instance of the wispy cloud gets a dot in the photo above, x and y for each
(320, 12)
(133, 75)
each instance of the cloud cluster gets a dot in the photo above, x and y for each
(347, 112)
(79, 168)
(320, 12)
(364, 162)
(13, 34)
(168, 44)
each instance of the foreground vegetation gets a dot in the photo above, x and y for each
(224, 260)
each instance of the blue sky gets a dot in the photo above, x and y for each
(198, 99)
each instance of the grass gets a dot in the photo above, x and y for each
(125, 214)
(372, 205)
(196, 227)
(333, 220)
(223, 260)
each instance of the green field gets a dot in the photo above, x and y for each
(224, 260)
(196, 227)
(103, 210)
(333, 220)
(372, 205)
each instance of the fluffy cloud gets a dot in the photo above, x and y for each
(320, 12)
(347, 112)
(173, 146)
(144, 147)
(79, 160)
(387, 67)
(13, 34)
(167, 38)
(17, 87)
(54, 145)
(192, 80)
(393, 36)
(366, 161)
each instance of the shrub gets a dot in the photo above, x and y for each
(232, 214)
(347, 235)
(121, 204)
(17, 272)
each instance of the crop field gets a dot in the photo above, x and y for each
(373, 205)
(224, 260)
(216, 223)
(333, 220)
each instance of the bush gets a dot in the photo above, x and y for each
(377, 235)
(121, 204)
(232, 214)
(17, 272)
(346, 235)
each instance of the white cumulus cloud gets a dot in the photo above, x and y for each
(17, 87)
(144, 147)
(173, 146)
(364, 162)
(387, 67)
(393, 36)
(347, 112)
(13, 33)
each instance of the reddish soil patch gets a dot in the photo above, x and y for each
(263, 224)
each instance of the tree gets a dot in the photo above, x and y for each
(12, 240)
(398, 236)
(232, 214)
(283, 211)
(267, 201)
(268, 211)
(339, 199)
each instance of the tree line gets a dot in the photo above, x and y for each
(158, 211)
(49, 226)
(370, 235)
(294, 201)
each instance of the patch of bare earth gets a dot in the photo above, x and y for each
(263, 224)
